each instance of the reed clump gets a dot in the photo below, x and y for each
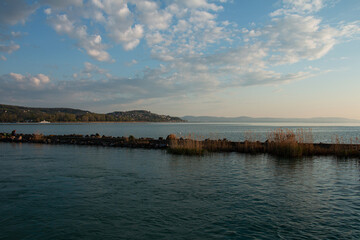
(290, 143)
(220, 145)
(187, 146)
(341, 148)
(251, 144)
(280, 142)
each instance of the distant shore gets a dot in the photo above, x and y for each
(10, 113)
(92, 122)
(284, 144)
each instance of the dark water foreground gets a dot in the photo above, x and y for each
(83, 192)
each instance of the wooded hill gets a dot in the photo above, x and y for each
(9, 113)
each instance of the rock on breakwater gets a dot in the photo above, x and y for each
(94, 139)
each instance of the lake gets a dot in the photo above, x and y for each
(82, 192)
(231, 131)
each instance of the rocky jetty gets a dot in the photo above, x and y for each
(94, 139)
(284, 148)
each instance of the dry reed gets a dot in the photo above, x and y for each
(186, 146)
(280, 142)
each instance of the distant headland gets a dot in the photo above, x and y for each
(21, 114)
(10, 113)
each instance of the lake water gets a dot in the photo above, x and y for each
(87, 192)
(231, 131)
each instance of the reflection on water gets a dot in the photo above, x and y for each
(71, 192)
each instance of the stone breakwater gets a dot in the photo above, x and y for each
(94, 139)
(175, 145)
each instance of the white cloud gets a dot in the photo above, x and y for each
(91, 43)
(94, 47)
(350, 30)
(63, 25)
(154, 38)
(16, 34)
(47, 11)
(160, 25)
(292, 38)
(91, 71)
(98, 3)
(118, 21)
(199, 4)
(3, 58)
(17, 77)
(91, 68)
(243, 66)
(7, 45)
(39, 79)
(16, 80)
(299, 7)
(201, 17)
(12, 47)
(152, 17)
(130, 37)
(132, 62)
(192, 31)
(295, 37)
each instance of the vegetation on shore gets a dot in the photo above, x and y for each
(10, 113)
(280, 142)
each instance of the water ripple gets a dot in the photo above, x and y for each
(72, 192)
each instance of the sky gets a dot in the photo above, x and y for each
(257, 58)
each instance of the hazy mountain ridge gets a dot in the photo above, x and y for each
(269, 120)
(10, 113)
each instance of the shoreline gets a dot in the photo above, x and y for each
(40, 123)
(274, 125)
(187, 146)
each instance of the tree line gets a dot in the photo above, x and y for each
(23, 114)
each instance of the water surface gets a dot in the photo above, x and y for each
(81, 192)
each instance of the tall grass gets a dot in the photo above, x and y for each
(342, 148)
(280, 142)
(290, 143)
(187, 146)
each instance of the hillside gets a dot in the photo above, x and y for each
(9, 113)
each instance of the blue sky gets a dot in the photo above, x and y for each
(260, 58)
